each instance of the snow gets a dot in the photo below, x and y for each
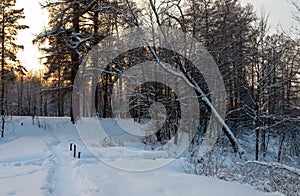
(37, 161)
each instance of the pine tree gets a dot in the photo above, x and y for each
(74, 28)
(9, 28)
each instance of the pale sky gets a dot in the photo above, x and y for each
(36, 19)
(279, 13)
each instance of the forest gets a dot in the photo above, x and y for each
(260, 69)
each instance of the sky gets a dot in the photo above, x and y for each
(279, 12)
(36, 19)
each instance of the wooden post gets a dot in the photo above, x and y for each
(74, 150)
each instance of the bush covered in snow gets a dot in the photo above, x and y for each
(269, 177)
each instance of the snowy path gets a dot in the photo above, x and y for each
(60, 174)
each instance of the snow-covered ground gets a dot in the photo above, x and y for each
(37, 161)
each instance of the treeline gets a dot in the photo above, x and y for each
(260, 70)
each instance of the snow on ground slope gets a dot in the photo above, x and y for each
(37, 161)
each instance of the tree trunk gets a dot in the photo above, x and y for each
(2, 66)
(257, 144)
(74, 57)
(2, 126)
(282, 136)
(263, 143)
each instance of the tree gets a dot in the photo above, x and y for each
(296, 15)
(272, 75)
(9, 28)
(159, 16)
(75, 27)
